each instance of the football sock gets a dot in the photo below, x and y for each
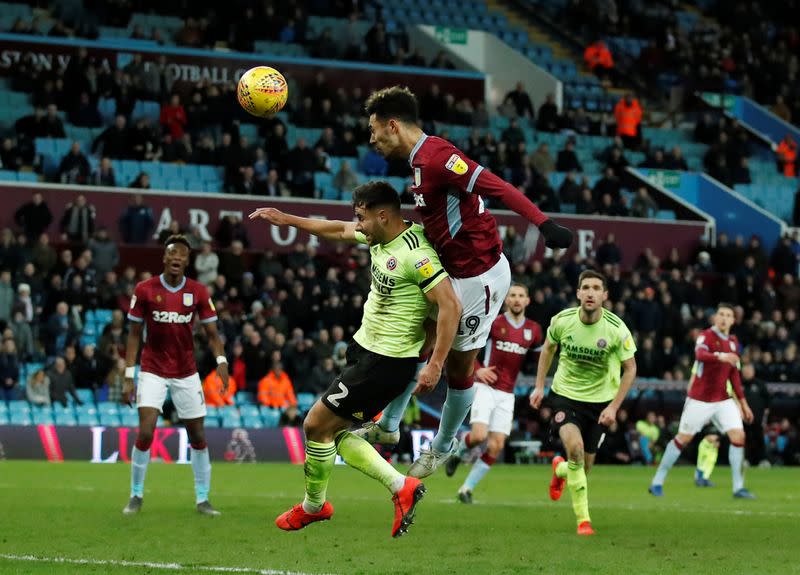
(393, 413)
(736, 459)
(454, 411)
(479, 469)
(201, 467)
(320, 458)
(576, 481)
(139, 461)
(707, 453)
(561, 469)
(465, 444)
(359, 454)
(671, 455)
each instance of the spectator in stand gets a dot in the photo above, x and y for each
(609, 252)
(90, 369)
(104, 174)
(321, 377)
(274, 187)
(229, 230)
(301, 163)
(206, 264)
(136, 223)
(586, 204)
(598, 58)
(37, 391)
(173, 229)
(62, 383)
(643, 205)
(74, 167)
(628, 114)
(9, 370)
(676, 161)
(786, 155)
(542, 161)
(514, 246)
(34, 217)
(85, 113)
(548, 119)
(567, 158)
(345, 179)
(275, 389)
(215, 395)
(115, 141)
(608, 184)
(78, 221)
(247, 184)
(232, 264)
(521, 102)
(740, 174)
(53, 126)
(105, 255)
(173, 117)
(10, 155)
(60, 330)
(141, 182)
(617, 162)
(115, 380)
(780, 109)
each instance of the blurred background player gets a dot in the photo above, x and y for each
(406, 277)
(707, 453)
(448, 189)
(716, 353)
(167, 305)
(511, 337)
(587, 390)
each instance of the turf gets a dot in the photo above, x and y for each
(73, 510)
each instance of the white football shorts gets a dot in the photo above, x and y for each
(696, 414)
(493, 408)
(186, 393)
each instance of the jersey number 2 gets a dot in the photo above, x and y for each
(335, 397)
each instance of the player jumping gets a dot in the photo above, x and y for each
(382, 358)
(167, 305)
(448, 189)
(716, 354)
(492, 416)
(587, 390)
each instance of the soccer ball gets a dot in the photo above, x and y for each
(262, 91)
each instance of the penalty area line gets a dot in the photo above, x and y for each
(151, 565)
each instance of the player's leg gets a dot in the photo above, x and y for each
(480, 416)
(494, 447)
(574, 470)
(187, 395)
(694, 417)
(728, 419)
(707, 453)
(151, 393)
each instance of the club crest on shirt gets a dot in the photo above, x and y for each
(733, 346)
(391, 263)
(158, 298)
(188, 299)
(560, 416)
(601, 343)
(424, 267)
(417, 177)
(527, 334)
(456, 165)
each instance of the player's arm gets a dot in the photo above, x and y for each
(218, 349)
(738, 391)
(459, 170)
(704, 354)
(131, 351)
(609, 414)
(485, 374)
(546, 355)
(444, 297)
(334, 230)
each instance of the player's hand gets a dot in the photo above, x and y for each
(555, 236)
(486, 375)
(536, 397)
(427, 379)
(222, 372)
(272, 215)
(747, 413)
(607, 416)
(128, 389)
(729, 358)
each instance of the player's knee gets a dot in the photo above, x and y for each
(197, 438)
(311, 428)
(736, 437)
(494, 447)
(477, 436)
(575, 452)
(144, 439)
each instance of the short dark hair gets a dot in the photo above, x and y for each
(726, 305)
(376, 194)
(520, 285)
(178, 239)
(592, 274)
(397, 103)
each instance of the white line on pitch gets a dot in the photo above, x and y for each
(150, 565)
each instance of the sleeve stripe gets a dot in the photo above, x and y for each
(428, 281)
(136, 319)
(474, 177)
(702, 346)
(209, 319)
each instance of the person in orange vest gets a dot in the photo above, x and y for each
(275, 389)
(598, 58)
(212, 390)
(628, 114)
(787, 156)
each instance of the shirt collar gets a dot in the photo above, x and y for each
(168, 287)
(416, 147)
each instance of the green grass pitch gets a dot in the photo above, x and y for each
(72, 512)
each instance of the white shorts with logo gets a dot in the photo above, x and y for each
(494, 408)
(186, 393)
(696, 414)
(481, 298)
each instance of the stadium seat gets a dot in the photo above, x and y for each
(230, 422)
(110, 420)
(252, 422)
(20, 418)
(19, 406)
(86, 396)
(66, 419)
(88, 419)
(211, 421)
(245, 397)
(248, 410)
(108, 408)
(3, 406)
(270, 417)
(130, 419)
(305, 401)
(4, 418)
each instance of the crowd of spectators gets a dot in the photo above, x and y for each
(285, 319)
